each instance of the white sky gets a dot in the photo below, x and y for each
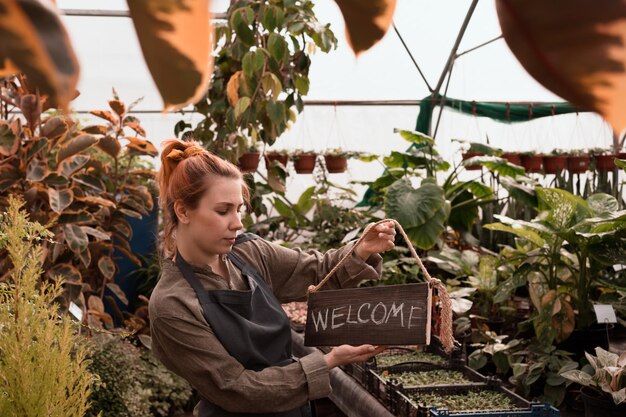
(110, 56)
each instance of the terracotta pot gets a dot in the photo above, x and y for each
(271, 157)
(468, 155)
(578, 164)
(621, 155)
(513, 158)
(304, 163)
(553, 164)
(532, 163)
(605, 163)
(335, 164)
(249, 162)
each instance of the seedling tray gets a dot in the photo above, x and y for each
(403, 406)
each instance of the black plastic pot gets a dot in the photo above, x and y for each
(600, 407)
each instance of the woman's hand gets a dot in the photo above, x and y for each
(378, 239)
(345, 354)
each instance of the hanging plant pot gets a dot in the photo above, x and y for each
(280, 157)
(513, 158)
(578, 164)
(532, 163)
(249, 161)
(605, 163)
(336, 164)
(304, 163)
(553, 164)
(471, 154)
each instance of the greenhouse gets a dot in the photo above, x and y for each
(312, 208)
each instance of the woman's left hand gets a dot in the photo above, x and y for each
(378, 239)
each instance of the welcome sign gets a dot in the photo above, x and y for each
(383, 315)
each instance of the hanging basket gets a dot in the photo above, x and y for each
(553, 164)
(513, 158)
(578, 164)
(304, 163)
(381, 315)
(249, 162)
(532, 163)
(336, 164)
(271, 157)
(605, 163)
(468, 155)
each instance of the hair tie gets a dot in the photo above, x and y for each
(193, 150)
(176, 155)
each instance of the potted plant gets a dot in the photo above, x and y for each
(578, 161)
(513, 157)
(531, 161)
(336, 160)
(249, 161)
(304, 161)
(281, 156)
(555, 162)
(604, 160)
(604, 384)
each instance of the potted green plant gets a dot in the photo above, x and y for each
(604, 384)
(304, 161)
(249, 161)
(336, 160)
(604, 160)
(513, 157)
(531, 161)
(555, 162)
(578, 161)
(279, 155)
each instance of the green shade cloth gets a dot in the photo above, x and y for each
(502, 112)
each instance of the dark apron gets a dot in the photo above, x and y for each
(251, 325)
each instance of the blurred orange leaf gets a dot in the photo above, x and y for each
(366, 21)
(176, 41)
(34, 41)
(574, 48)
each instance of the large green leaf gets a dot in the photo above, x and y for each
(462, 218)
(496, 164)
(422, 212)
(602, 204)
(527, 234)
(417, 138)
(565, 209)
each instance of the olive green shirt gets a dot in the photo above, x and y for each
(185, 343)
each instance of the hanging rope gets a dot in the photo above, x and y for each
(445, 332)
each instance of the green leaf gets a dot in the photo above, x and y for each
(76, 238)
(565, 209)
(240, 21)
(276, 112)
(463, 218)
(306, 200)
(277, 47)
(417, 138)
(271, 83)
(282, 208)
(621, 163)
(422, 212)
(242, 106)
(602, 204)
(252, 63)
(506, 288)
(527, 234)
(60, 199)
(302, 84)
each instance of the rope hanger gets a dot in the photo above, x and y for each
(446, 335)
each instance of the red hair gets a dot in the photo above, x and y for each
(185, 168)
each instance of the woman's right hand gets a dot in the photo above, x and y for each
(345, 354)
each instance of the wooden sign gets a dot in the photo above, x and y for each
(383, 315)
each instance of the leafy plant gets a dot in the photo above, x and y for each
(131, 382)
(86, 178)
(43, 366)
(471, 401)
(605, 374)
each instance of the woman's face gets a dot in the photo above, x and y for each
(213, 225)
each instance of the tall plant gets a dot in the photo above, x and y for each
(43, 371)
(85, 178)
(261, 73)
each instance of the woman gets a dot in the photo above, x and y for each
(215, 313)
